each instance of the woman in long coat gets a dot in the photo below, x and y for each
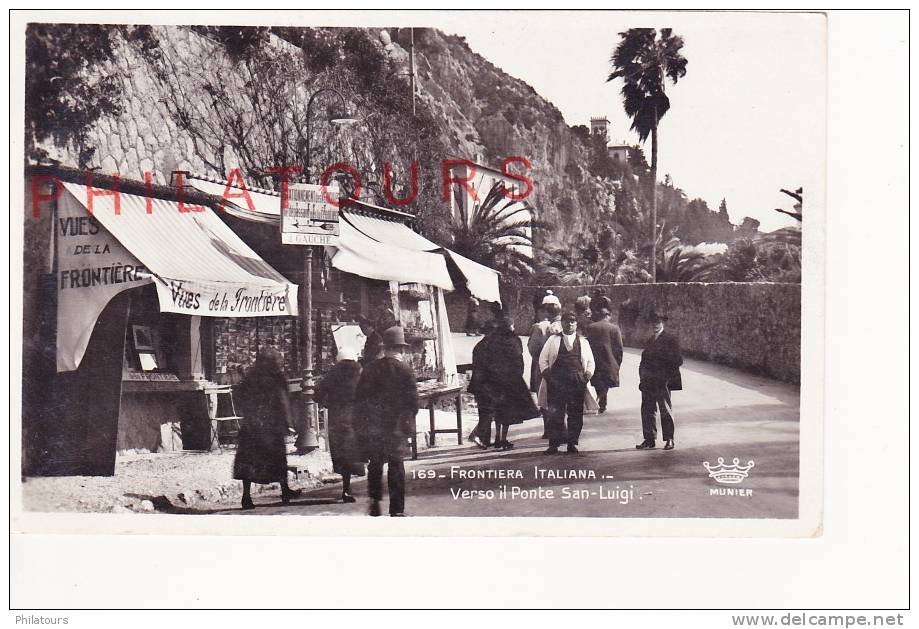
(481, 434)
(261, 455)
(336, 392)
(502, 381)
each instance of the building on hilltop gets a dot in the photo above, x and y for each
(599, 126)
(619, 151)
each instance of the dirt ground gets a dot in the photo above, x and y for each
(175, 481)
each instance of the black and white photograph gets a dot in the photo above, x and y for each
(457, 292)
(355, 271)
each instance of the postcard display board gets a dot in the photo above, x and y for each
(417, 307)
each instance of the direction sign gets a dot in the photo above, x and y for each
(309, 218)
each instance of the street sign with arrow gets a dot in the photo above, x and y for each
(310, 218)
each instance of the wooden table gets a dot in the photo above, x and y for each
(431, 395)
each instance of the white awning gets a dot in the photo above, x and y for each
(199, 265)
(481, 280)
(366, 257)
(266, 207)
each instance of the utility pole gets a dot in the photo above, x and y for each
(411, 65)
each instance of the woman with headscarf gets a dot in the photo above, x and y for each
(336, 392)
(261, 455)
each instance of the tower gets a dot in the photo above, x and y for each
(599, 126)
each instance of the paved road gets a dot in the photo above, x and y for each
(721, 412)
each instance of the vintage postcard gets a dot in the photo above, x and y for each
(419, 273)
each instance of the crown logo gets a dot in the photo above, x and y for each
(728, 474)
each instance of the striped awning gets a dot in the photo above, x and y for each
(360, 256)
(199, 265)
(106, 244)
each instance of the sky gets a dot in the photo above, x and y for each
(747, 119)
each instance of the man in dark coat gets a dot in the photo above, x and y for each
(386, 403)
(659, 374)
(605, 341)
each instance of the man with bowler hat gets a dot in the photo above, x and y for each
(659, 374)
(387, 402)
(567, 365)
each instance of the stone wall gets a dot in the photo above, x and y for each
(144, 137)
(752, 326)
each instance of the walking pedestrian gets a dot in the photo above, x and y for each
(567, 365)
(582, 311)
(481, 389)
(373, 344)
(605, 340)
(386, 403)
(336, 392)
(261, 454)
(550, 324)
(659, 374)
(503, 379)
(599, 301)
(473, 324)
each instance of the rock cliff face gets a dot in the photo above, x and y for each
(487, 115)
(494, 115)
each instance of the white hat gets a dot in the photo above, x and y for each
(347, 353)
(550, 298)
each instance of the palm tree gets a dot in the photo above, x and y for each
(644, 61)
(496, 232)
(681, 263)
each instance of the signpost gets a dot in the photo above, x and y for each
(309, 220)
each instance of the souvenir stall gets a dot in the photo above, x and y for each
(382, 272)
(138, 280)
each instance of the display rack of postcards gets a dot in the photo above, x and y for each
(417, 316)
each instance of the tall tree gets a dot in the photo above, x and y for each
(644, 60)
(497, 232)
(65, 95)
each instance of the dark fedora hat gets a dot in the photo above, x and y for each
(394, 337)
(654, 316)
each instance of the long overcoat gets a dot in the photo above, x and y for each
(605, 340)
(498, 376)
(261, 454)
(477, 384)
(386, 402)
(336, 392)
(660, 363)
